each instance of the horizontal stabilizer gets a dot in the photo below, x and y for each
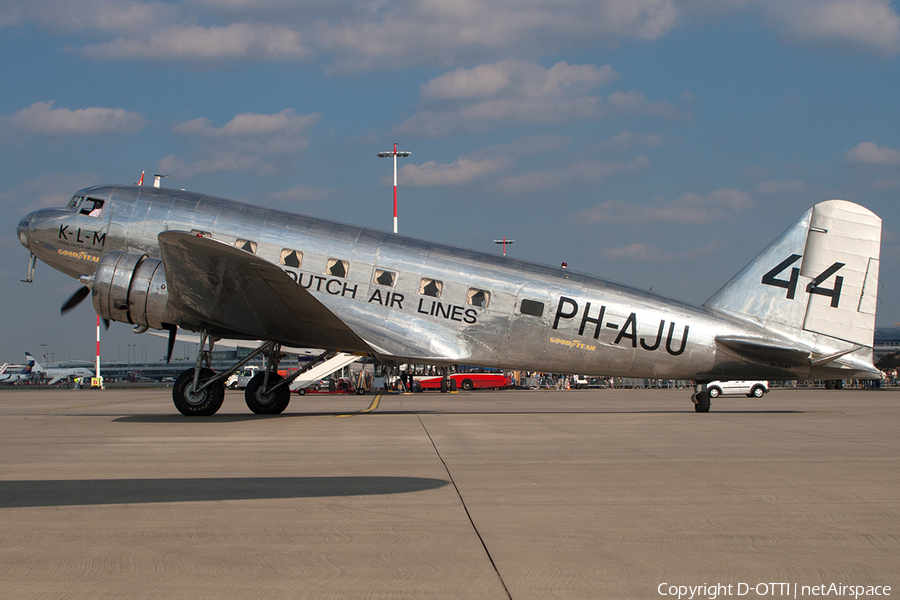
(765, 353)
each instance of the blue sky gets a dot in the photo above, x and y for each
(659, 143)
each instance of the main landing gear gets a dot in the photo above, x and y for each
(700, 398)
(199, 392)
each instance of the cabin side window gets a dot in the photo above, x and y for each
(477, 297)
(337, 267)
(431, 287)
(246, 245)
(532, 307)
(291, 258)
(385, 278)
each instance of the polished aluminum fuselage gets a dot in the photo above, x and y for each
(586, 325)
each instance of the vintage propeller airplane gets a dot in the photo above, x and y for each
(169, 259)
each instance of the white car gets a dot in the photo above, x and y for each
(752, 389)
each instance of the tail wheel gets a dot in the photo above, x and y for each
(262, 402)
(202, 403)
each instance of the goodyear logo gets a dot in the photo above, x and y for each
(78, 255)
(572, 344)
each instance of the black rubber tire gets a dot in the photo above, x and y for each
(468, 385)
(445, 385)
(714, 392)
(360, 391)
(204, 404)
(757, 392)
(702, 405)
(302, 391)
(266, 404)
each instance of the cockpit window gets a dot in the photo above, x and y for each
(75, 201)
(92, 207)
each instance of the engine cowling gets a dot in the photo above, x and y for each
(131, 288)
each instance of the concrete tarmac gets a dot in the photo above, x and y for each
(516, 494)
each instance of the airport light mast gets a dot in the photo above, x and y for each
(504, 241)
(395, 154)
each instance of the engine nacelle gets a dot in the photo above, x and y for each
(131, 288)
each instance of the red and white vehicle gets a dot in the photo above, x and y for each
(465, 381)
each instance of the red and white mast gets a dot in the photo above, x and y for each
(395, 154)
(99, 379)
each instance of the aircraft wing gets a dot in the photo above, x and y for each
(236, 292)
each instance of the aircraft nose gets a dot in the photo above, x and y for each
(23, 228)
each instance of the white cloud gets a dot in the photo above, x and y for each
(512, 78)
(689, 208)
(869, 153)
(587, 171)
(510, 91)
(191, 42)
(376, 34)
(514, 91)
(653, 253)
(265, 144)
(42, 119)
(250, 125)
(416, 31)
(871, 25)
(459, 172)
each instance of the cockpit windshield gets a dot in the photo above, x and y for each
(93, 207)
(75, 201)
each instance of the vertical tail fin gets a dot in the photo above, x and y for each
(33, 364)
(819, 277)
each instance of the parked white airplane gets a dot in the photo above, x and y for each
(170, 259)
(26, 374)
(55, 375)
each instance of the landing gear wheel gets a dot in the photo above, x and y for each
(702, 404)
(266, 403)
(202, 403)
(445, 385)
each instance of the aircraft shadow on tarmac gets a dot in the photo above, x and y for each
(82, 492)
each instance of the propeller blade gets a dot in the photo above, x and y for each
(75, 299)
(173, 330)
